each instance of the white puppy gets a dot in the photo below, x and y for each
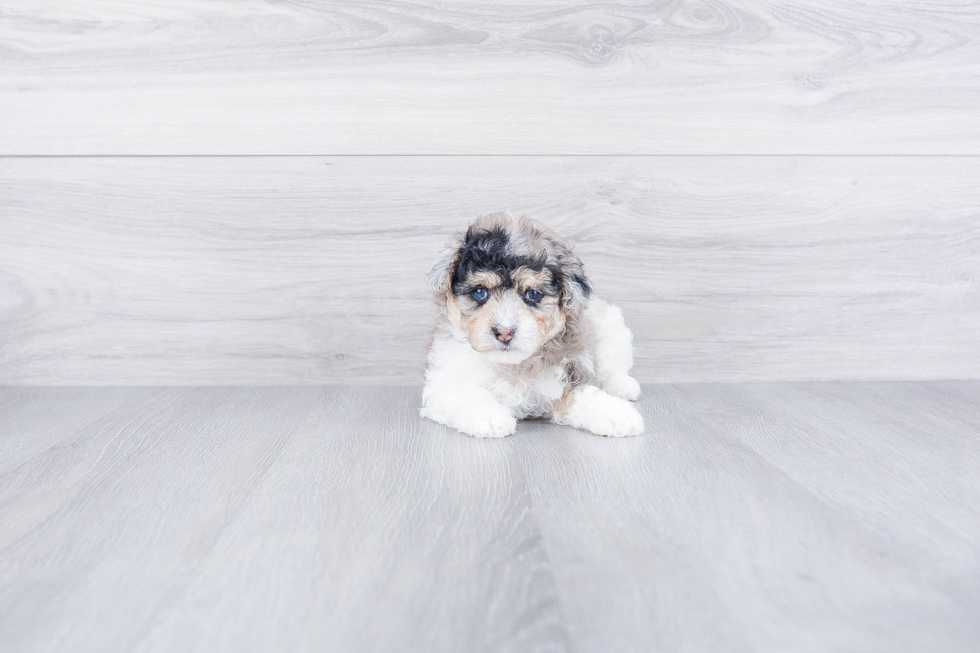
(520, 335)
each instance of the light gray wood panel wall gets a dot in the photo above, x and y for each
(553, 77)
(249, 270)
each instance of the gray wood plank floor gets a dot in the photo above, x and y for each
(547, 77)
(308, 270)
(769, 517)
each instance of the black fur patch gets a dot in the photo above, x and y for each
(489, 251)
(584, 283)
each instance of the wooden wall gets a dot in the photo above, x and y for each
(249, 193)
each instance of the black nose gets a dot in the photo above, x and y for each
(504, 334)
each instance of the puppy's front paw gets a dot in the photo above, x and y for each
(616, 422)
(488, 423)
(603, 414)
(623, 385)
(483, 422)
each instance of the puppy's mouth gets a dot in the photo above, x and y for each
(490, 343)
(508, 353)
(513, 347)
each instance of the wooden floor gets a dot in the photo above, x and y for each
(750, 517)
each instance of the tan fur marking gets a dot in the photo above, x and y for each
(484, 278)
(481, 322)
(525, 278)
(452, 311)
(565, 403)
(550, 323)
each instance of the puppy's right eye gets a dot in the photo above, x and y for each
(480, 294)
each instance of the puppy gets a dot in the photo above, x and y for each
(520, 335)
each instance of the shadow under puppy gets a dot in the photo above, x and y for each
(521, 335)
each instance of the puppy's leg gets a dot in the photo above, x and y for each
(601, 413)
(614, 350)
(466, 407)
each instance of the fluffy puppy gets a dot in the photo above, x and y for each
(520, 335)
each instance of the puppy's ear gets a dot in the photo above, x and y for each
(440, 276)
(575, 286)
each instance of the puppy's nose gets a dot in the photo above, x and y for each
(504, 333)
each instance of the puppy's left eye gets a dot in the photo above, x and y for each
(532, 296)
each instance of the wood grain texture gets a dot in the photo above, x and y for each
(716, 531)
(669, 77)
(264, 519)
(294, 270)
(750, 517)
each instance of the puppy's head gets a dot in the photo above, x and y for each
(510, 285)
